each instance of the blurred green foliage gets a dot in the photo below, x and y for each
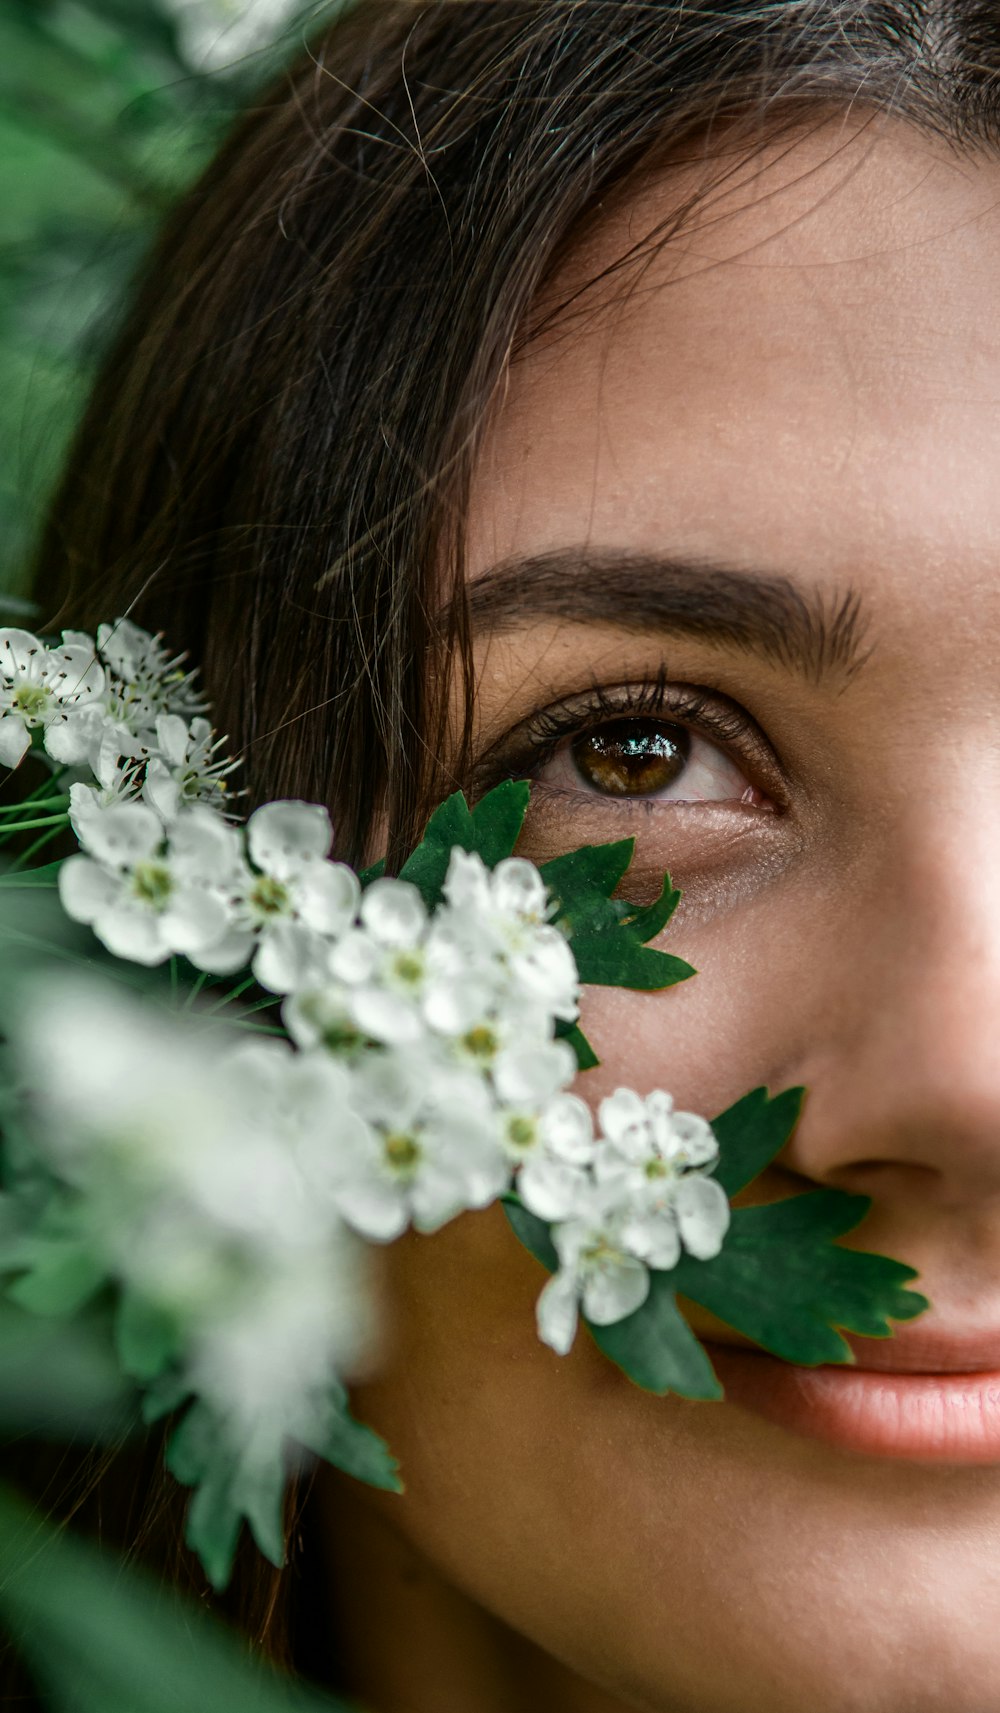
(105, 115)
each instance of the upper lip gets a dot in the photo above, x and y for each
(928, 1347)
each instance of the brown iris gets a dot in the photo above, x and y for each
(632, 758)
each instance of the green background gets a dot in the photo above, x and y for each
(107, 110)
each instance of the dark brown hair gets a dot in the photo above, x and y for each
(275, 462)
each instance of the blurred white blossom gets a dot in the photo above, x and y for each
(214, 34)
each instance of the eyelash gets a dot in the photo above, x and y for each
(534, 741)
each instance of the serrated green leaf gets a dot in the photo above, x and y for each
(648, 920)
(586, 1058)
(656, 1347)
(751, 1133)
(356, 1449)
(532, 1232)
(583, 880)
(229, 1487)
(617, 960)
(782, 1280)
(145, 1337)
(608, 935)
(491, 829)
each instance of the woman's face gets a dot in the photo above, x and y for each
(788, 431)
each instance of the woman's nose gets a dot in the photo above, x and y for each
(905, 1080)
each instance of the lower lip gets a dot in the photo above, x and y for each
(929, 1418)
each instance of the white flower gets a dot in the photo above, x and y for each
(547, 1134)
(398, 970)
(655, 1161)
(186, 768)
(149, 677)
(218, 33)
(596, 1271)
(293, 885)
(146, 901)
(49, 690)
(505, 909)
(205, 1178)
(432, 1151)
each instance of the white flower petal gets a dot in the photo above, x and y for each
(612, 1293)
(327, 897)
(282, 836)
(556, 1313)
(569, 1129)
(204, 847)
(226, 955)
(550, 1189)
(194, 921)
(355, 958)
(132, 934)
(695, 1138)
(702, 1209)
(394, 912)
(653, 1238)
(518, 888)
(19, 649)
(291, 956)
(622, 1116)
(378, 1210)
(529, 1076)
(86, 889)
(161, 790)
(14, 739)
(467, 882)
(123, 835)
(385, 1016)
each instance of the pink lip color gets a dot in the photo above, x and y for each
(927, 1417)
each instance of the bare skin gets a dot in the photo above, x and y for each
(806, 384)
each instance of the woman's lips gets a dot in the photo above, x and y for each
(940, 1416)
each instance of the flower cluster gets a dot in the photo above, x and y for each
(194, 1166)
(425, 1071)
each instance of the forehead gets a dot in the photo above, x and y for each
(807, 376)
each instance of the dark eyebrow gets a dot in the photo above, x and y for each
(815, 632)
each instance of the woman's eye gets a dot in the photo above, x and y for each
(651, 759)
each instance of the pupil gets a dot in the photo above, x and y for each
(632, 758)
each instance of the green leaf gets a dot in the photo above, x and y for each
(375, 872)
(103, 1638)
(164, 1395)
(491, 829)
(532, 1231)
(608, 935)
(617, 960)
(586, 1058)
(781, 1279)
(354, 1448)
(63, 1277)
(751, 1133)
(145, 1337)
(583, 880)
(230, 1486)
(657, 1349)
